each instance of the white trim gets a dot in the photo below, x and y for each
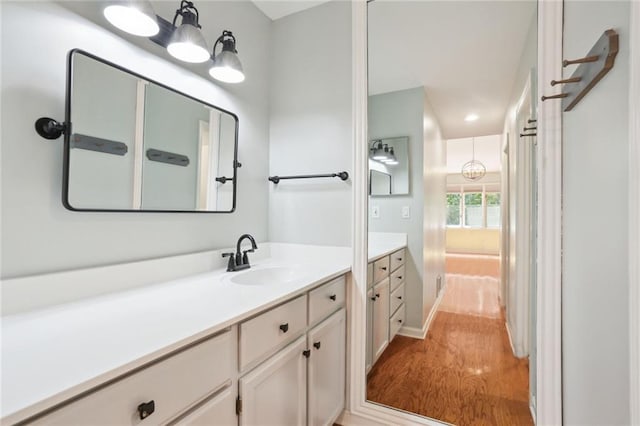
(421, 333)
(634, 213)
(138, 146)
(549, 241)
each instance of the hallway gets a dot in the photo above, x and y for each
(464, 371)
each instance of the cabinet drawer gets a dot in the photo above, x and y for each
(369, 275)
(326, 299)
(397, 277)
(396, 322)
(263, 334)
(219, 410)
(397, 259)
(174, 384)
(380, 269)
(397, 298)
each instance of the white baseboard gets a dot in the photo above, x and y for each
(421, 333)
(347, 418)
(532, 409)
(517, 351)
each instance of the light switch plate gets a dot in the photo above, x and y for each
(375, 212)
(406, 212)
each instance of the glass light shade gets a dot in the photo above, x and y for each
(227, 67)
(473, 170)
(188, 45)
(135, 17)
(378, 153)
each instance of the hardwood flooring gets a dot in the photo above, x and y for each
(463, 372)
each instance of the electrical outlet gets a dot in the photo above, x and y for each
(375, 212)
(406, 212)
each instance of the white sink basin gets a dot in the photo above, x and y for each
(268, 276)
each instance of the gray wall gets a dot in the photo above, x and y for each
(405, 113)
(38, 234)
(311, 130)
(595, 290)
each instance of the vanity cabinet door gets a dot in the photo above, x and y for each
(327, 370)
(369, 348)
(380, 318)
(275, 393)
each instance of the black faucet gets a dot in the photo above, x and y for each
(240, 260)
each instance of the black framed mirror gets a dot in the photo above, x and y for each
(133, 144)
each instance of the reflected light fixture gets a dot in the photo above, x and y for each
(187, 43)
(226, 64)
(376, 152)
(471, 117)
(392, 160)
(474, 169)
(135, 17)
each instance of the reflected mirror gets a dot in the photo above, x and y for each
(389, 166)
(137, 145)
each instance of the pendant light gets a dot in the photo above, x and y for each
(226, 65)
(474, 169)
(187, 43)
(135, 17)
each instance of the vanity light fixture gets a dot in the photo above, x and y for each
(391, 160)
(226, 65)
(135, 17)
(187, 43)
(474, 169)
(377, 151)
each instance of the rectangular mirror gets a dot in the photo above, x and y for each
(137, 145)
(389, 166)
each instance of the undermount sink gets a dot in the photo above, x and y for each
(268, 276)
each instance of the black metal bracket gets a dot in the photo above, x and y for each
(341, 175)
(49, 128)
(224, 179)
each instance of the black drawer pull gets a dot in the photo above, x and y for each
(399, 277)
(306, 353)
(284, 327)
(399, 259)
(384, 268)
(333, 297)
(378, 295)
(316, 345)
(400, 297)
(146, 409)
(373, 298)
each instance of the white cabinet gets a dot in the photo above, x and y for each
(275, 393)
(380, 338)
(219, 410)
(327, 370)
(168, 387)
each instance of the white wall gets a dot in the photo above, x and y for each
(311, 127)
(408, 113)
(38, 234)
(595, 290)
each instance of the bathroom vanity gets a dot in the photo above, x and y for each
(264, 345)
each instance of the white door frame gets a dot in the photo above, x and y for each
(634, 213)
(549, 373)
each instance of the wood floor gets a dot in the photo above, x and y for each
(463, 372)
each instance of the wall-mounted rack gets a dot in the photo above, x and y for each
(341, 175)
(91, 143)
(167, 157)
(592, 68)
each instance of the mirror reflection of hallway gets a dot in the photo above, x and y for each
(463, 353)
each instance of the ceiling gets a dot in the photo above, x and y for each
(487, 151)
(276, 9)
(465, 54)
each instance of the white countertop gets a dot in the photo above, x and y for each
(51, 354)
(54, 353)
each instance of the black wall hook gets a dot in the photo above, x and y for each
(49, 128)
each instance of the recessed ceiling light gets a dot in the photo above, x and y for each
(471, 117)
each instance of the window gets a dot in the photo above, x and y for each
(477, 209)
(453, 209)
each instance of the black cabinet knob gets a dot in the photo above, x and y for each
(306, 353)
(399, 277)
(378, 295)
(373, 298)
(399, 259)
(384, 268)
(333, 297)
(400, 321)
(400, 297)
(284, 327)
(146, 409)
(316, 345)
